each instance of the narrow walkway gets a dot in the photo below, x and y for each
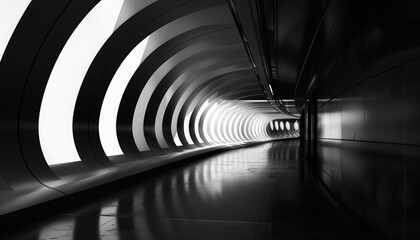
(259, 192)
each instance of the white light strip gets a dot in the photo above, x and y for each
(148, 90)
(160, 114)
(175, 116)
(206, 125)
(251, 128)
(10, 14)
(228, 122)
(254, 129)
(212, 124)
(241, 128)
(214, 132)
(257, 127)
(271, 90)
(261, 127)
(225, 123)
(231, 127)
(112, 99)
(177, 140)
(197, 121)
(236, 131)
(218, 120)
(248, 128)
(56, 113)
(187, 128)
(264, 127)
(245, 127)
(288, 126)
(221, 123)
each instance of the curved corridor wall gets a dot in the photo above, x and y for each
(91, 89)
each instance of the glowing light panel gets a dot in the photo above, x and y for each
(112, 100)
(187, 128)
(56, 114)
(197, 121)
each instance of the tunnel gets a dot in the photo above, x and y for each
(209, 119)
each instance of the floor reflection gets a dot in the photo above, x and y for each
(250, 193)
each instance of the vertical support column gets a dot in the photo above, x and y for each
(313, 135)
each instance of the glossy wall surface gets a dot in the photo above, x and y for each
(363, 71)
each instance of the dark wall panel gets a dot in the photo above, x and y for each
(384, 107)
(367, 72)
(411, 104)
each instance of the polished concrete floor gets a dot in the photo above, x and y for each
(259, 192)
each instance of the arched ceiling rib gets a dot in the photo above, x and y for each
(175, 73)
(194, 58)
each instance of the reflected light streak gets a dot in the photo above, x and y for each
(109, 209)
(335, 125)
(63, 229)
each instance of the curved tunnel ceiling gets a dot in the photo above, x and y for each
(89, 80)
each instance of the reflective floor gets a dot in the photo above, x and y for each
(259, 192)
